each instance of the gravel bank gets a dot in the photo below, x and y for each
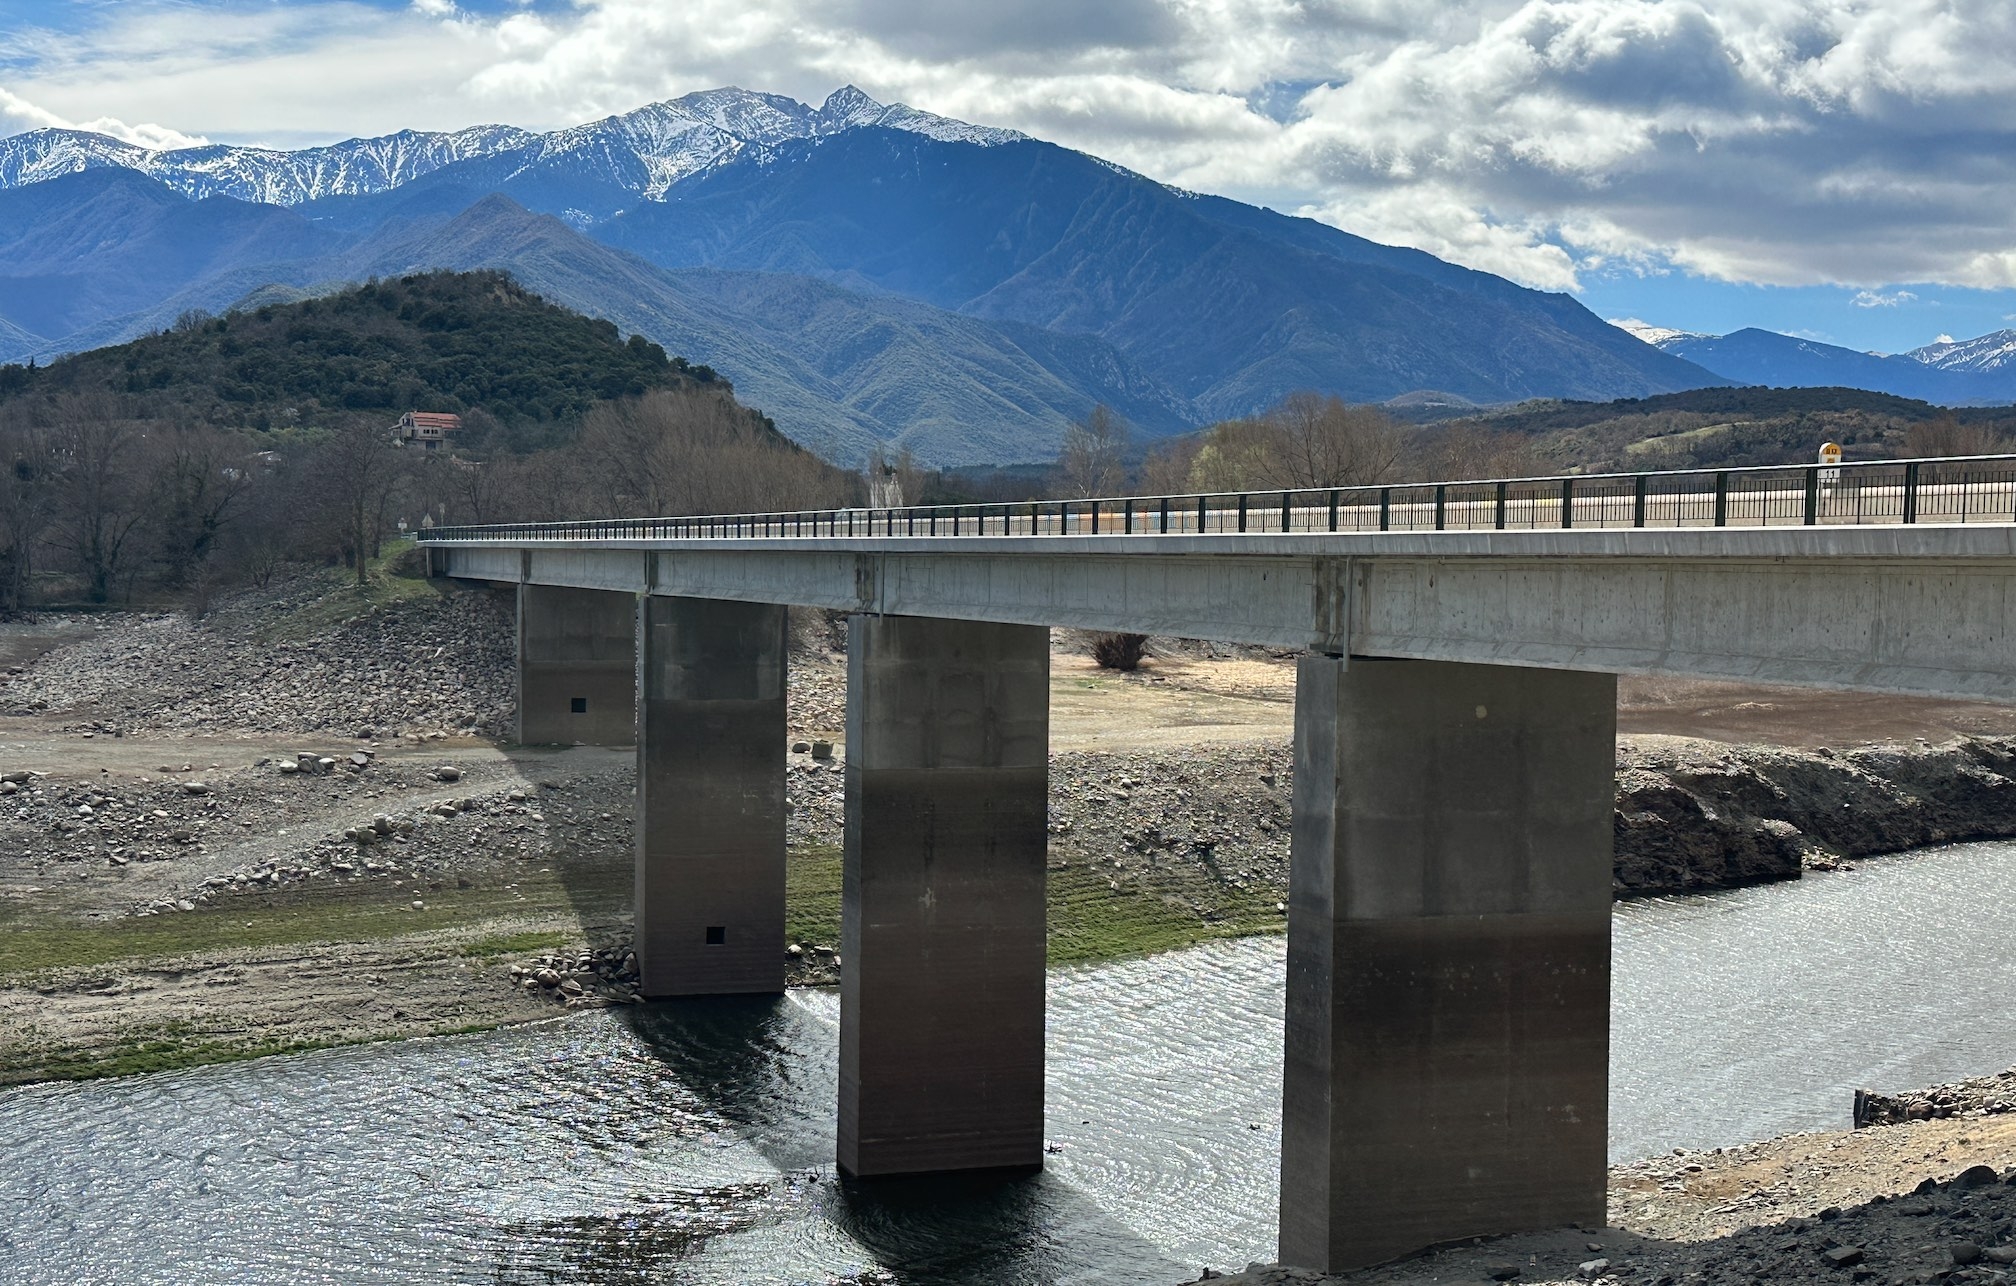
(1929, 1198)
(1983, 1096)
(440, 661)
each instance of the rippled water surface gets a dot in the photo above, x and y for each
(693, 1142)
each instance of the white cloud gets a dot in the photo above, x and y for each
(1786, 142)
(1877, 299)
(18, 114)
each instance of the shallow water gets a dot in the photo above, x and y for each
(692, 1142)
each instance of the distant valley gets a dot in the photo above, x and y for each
(869, 275)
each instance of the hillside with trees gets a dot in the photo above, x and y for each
(206, 454)
(473, 342)
(1309, 441)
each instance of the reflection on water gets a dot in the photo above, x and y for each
(691, 1142)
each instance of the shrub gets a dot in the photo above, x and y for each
(1119, 651)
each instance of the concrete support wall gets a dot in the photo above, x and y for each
(1448, 956)
(942, 936)
(577, 667)
(710, 797)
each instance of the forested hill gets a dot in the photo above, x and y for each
(523, 370)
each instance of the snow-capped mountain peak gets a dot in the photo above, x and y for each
(660, 143)
(1991, 352)
(1657, 336)
(355, 166)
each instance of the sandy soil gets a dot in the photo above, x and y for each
(1801, 718)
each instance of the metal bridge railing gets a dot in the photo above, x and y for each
(1961, 489)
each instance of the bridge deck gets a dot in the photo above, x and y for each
(1785, 581)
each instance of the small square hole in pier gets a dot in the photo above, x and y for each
(579, 705)
(717, 935)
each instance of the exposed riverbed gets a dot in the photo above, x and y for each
(692, 1142)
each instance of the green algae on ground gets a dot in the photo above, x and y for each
(1092, 918)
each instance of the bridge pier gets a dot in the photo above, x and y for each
(942, 919)
(1448, 1010)
(577, 666)
(710, 796)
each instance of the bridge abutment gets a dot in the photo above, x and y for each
(577, 666)
(710, 797)
(942, 929)
(1448, 1002)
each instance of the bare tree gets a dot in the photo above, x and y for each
(1948, 436)
(25, 499)
(1166, 470)
(356, 474)
(1305, 442)
(478, 490)
(1320, 441)
(200, 478)
(1090, 463)
(100, 498)
(1455, 453)
(693, 450)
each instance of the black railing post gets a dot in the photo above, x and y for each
(1911, 491)
(1333, 511)
(1721, 498)
(1567, 502)
(1441, 505)
(1812, 495)
(1385, 508)
(1639, 487)
(1286, 521)
(1165, 515)
(1202, 502)
(1095, 517)
(1242, 511)
(1127, 516)
(1498, 506)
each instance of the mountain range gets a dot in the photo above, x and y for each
(867, 274)
(1973, 372)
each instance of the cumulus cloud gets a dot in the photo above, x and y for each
(1877, 299)
(17, 114)
(1787, 142)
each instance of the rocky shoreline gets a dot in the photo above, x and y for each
(1695, 815)
(1922, 1191)
(1971, 1099)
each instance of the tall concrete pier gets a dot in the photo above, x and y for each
(710, 797)
(942, 932)
(577, 666)
(1447, 1070)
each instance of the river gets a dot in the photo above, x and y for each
(693, 1142)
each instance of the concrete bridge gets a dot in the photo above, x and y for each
(1449, 916)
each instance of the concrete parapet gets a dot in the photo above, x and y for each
(942, 933)
(710, 797)
(1448, 1007)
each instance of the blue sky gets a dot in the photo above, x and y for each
(1838, 169)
